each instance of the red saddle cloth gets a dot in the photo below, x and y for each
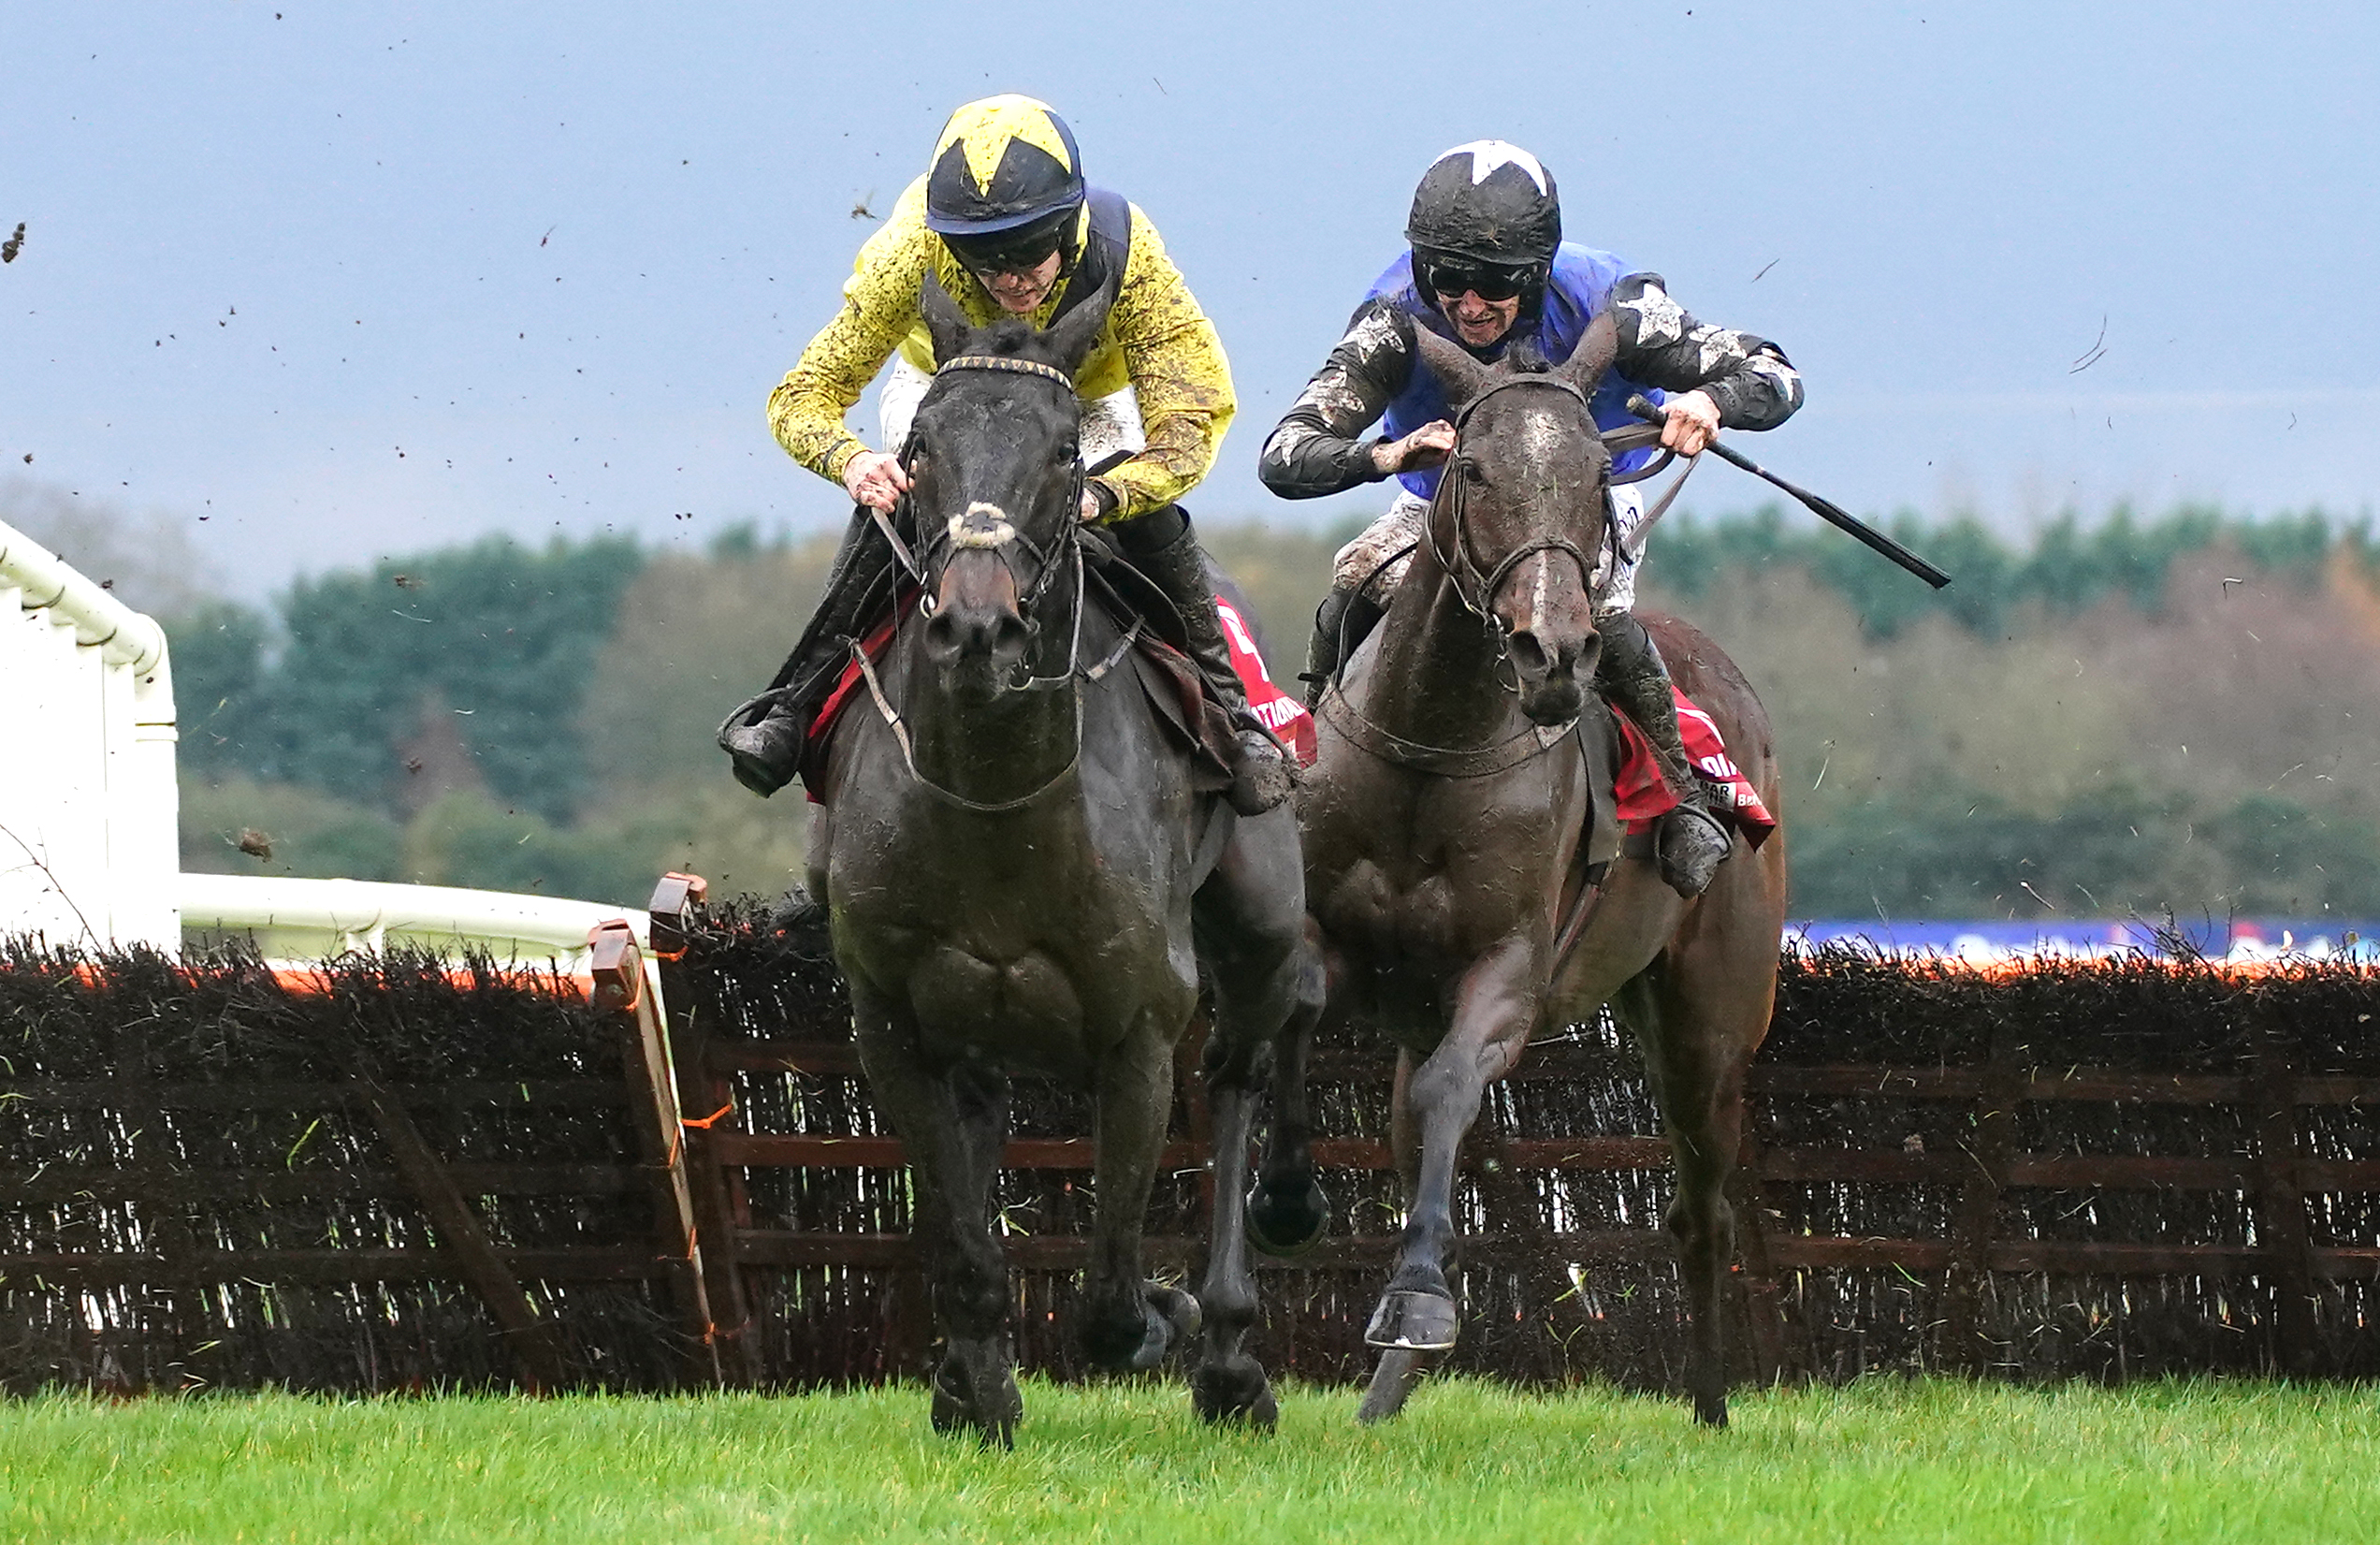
(1644, 796)
(1281, 713)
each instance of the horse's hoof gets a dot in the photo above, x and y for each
(1414, 1322)
(1235, 1392)
(1286, 1223)
(803, 927)
(948, 1411)
(1168, 1317)
(1179, 1310)
(956, 1406)
(1711, 1413)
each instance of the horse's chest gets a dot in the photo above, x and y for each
(1445, 875)
(1040, 947)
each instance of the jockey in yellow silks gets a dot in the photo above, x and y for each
(1004, 222)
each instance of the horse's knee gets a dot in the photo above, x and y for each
(1236, 1062)
(1436, 1090)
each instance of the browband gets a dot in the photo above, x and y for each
(1002, 362)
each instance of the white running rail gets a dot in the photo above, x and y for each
(88, 807)
(89, 849)
(293, 919)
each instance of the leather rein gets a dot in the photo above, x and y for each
(985, 528)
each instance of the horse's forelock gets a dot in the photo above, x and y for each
(1526, 358)
(1009, 336)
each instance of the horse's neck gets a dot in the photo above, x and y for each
(1434, 677)
(997, 749)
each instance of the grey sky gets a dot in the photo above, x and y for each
(557, 256)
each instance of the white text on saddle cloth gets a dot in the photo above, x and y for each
(1643, 798)
(1281, 713)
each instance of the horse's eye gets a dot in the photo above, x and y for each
(1472, 473)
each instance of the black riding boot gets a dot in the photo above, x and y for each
(1690, 843)
(763, 737)
(1343, 620)
(1162, 545)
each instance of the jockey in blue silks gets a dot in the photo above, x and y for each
(1487, 268)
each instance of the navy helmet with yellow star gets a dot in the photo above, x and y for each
(1005, 173)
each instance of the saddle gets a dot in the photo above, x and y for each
(1156, 655)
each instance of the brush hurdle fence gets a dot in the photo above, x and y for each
(392, 1172)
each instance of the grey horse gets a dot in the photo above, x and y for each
(1468, 874)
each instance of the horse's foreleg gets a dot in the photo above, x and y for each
(1130, 1321)
(1399, 1371)
(1228, 1384)
(1495, 1005)
(1264, 962)
(1265, 957)
(952, 1125)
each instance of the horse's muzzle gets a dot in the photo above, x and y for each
(994, 638)
(1549, 673)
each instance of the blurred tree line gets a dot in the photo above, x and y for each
(2123, 718)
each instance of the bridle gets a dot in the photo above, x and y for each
(1477, 591)
(985, 528)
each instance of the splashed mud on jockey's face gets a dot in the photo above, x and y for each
(1020, 294)
(1479, 322)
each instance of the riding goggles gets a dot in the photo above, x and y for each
(1019, 251)
(1487, 281)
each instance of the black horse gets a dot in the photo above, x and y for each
(1022, 877)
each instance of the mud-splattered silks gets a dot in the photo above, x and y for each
(1373, 375)
(1156, 341)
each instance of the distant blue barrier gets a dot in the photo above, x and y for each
(2239, 938)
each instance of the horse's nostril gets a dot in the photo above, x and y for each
(953, 635)
(1527, 654)
(1009, 636)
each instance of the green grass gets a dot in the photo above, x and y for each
(1885, 1462)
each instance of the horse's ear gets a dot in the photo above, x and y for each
(1593, 356)
(944, 322)
(1072, 336)
(1462, 376)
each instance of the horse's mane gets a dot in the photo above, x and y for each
(1012, 336)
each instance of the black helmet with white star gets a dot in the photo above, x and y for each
(1486, 202)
